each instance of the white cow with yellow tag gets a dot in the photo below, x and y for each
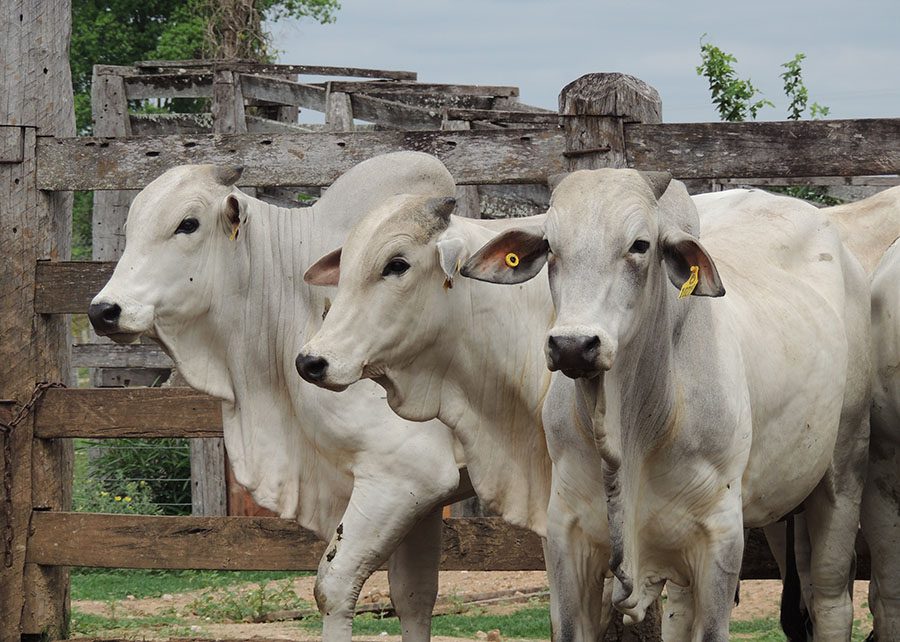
(709, 415)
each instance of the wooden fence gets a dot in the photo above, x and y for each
(604, 120)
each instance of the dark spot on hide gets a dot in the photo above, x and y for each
(825, 256)
(325, 314)
(340, 532)
(330, 555)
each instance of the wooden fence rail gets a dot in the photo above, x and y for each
(695, 150)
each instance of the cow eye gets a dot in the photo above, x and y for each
(395, 266)
(187, 226)
(639, 247)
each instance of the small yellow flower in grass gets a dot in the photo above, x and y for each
(126, 498)
(118, 498)
(103, 493)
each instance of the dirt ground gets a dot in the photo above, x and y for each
(759, 600)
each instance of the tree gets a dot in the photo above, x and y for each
(733, 97)
(734, 100)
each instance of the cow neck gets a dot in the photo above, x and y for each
(265, 332)
(494, 379)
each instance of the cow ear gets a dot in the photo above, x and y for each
(234, 215)
(513, 257)
(325, 271)
(681, 253)
(451, 252)
(658, 182)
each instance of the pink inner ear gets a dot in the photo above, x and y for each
(325, 271)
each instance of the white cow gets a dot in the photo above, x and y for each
(216, 277)
(881, 500)
(703, 411)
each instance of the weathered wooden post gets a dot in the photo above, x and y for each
(594, 110)
(36, 90)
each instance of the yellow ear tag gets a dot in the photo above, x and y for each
(691, 283)
(234, 231)
(512, 259)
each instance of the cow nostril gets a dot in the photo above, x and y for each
(104, 316)
(311, 368)
(592, 344)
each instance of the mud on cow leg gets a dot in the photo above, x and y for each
(365, 539)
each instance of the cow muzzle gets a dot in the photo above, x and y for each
(579, 355)
(315, 370)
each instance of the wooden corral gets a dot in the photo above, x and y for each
(604, 120)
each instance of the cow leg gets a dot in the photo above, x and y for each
(881, 526)
(380, 513)
(717, 569)
(576, 572)
(832, 521)
(678, 614)
(413, 576)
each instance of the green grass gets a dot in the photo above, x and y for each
(532, 622)
(168, 625)
(119, 584)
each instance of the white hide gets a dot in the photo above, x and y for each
(465, 354)
(881, 503)
(233, 313)
(788, 340)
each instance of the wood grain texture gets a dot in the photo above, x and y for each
(505, 116)
(107, 413)
(35, 94)
(167, 85)
(767, 149)
(67, 287)
(474, 157)
(424, 88)
(168, 124)
(611, 94)
(154, 66)
(254, 543)
(110, 355)
(283, 92)
(208, 489)
(394, 114)
(248, 543)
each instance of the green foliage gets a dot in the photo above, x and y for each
(734, 98)
(82, 220)
(118, 584)
(247, 604)
(89, 624)
(797, 93)
(164, 463)
(126, 497)
(322, 11)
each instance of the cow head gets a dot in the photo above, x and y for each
(392, 275)
(611, 236)
(182, 233)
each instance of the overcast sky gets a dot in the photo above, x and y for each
(852, 47)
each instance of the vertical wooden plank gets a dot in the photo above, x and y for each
(35, 92)
(338, 111)
(109, 111)
(228, 104)
(208, 488)
(468, 205)
(595, 108)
